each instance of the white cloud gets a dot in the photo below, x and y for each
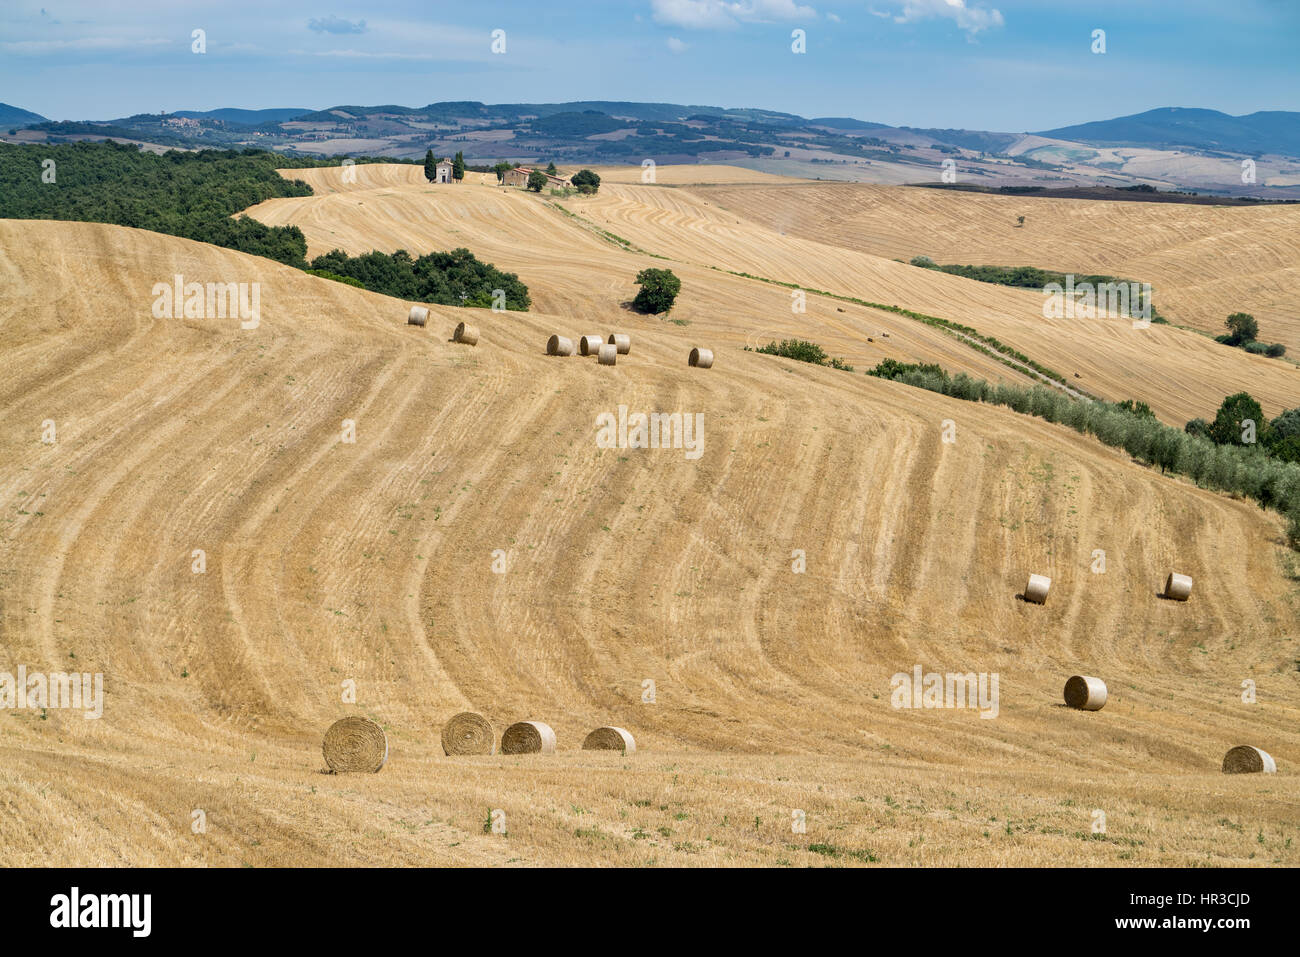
(706, 14)
(970, 19)
(676, 45)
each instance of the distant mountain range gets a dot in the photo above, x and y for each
(1172, 126)
(1205, 144)
(12, 117)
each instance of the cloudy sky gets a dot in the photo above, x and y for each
(1011, 65)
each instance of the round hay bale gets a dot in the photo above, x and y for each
(590, 345)
(465, 333)
(528, 737)
(355, 744)
(608, 355)
(1178, 587)
(1243, 759)
(701, 358)
(418, 316)
(559, 346)
(1085, 693)
(1036, 590)
(623, 342)
(468, 733)
(609, 739)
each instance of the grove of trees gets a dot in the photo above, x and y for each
(1243, 332)
(452, 278)
(197, 195)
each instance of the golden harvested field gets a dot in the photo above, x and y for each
(1204, 262)
(371, 562)
(572, 270)
(703, 174)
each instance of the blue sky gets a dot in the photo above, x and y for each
(1009, 65)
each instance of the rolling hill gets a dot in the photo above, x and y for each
(1275, 131)
(564, 251)
(330, 561)
(13, 117)
(1204, 262)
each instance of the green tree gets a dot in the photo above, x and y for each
(1198, 427)
(1230, 425)
(659, 289)
(537, 180)
(501, 169)
(551, 170)
(430, 166)
(458, 166)
(587, 181)
(1287, 424)
(1242, 328)
(1286, 449)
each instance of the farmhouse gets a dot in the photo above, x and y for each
(519, 177)
(442, 172)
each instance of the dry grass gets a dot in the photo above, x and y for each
(372, 562)
(574, 270)
(1205, 262)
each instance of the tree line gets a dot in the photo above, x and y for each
(197, 195)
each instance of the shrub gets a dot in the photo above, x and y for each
(925, 262)
(659, 289)
(1198, 427)
(803, 351)
(798, 349)
(893, 369)
(1227, 427)
(586, 181)
(1275, 350)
